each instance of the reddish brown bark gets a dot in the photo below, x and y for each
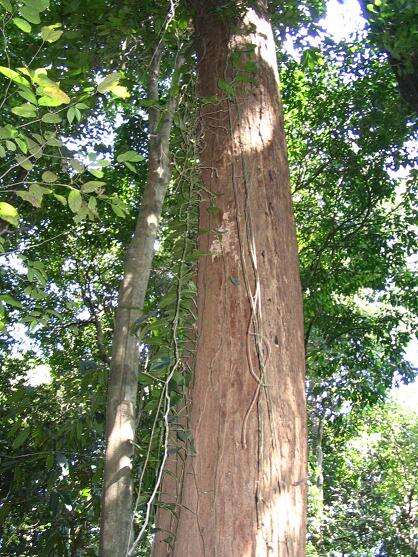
(243, 493)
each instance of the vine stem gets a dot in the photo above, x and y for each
(27, 248)
(166, 394)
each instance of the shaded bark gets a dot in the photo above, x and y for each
(407, 81)
(170, 491)
(171, 487)
(243, 493)
(116, 517)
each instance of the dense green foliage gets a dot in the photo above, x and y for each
(370, 474)
(394, 29)
(72, 170)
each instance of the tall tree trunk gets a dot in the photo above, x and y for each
(243, 492)
(116, 515)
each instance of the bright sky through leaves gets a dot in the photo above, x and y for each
(343, 19)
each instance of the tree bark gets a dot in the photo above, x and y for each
(116, 516)
(244, 491)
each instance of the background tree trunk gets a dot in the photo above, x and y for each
(404, 67)
(243, 493)
(116, 515)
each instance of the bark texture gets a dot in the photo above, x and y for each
(116, 517)
(243, 493)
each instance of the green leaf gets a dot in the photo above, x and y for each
(34, 148)
(22, 24)
(48, 88)
(53, 142)
(86, 493)
(118, 206)
(96, 173)
(130, 156)
(71, 113)
(92, 206)
(48, 101)
(26, 71)
(25, 110)
(91, 186)
(82, 214)
(34, 195)
(36, 275)
(109, 82)
(51, 118)
(130, 166)
(227, 87)
(120, 91)
(10, 301)
(49, 177)
(50, 33)
(37, 265)
(160, 363)
(117, 210)
(30, 197)
(56, 94)
(75, 200)
(183, 435)
(35, 293)
(61, 199)
(9, 213)
(6, 132)
(28, 95)
(250, 66)
(14, 76)
(76, 165)
(30, 14)
(24, 162)
(39, 191)
(2, 151)
(21, 438)
(10, 145)
(38, 5)
(49, 461)
(146, 380)
(22, 145)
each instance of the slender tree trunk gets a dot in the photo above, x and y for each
(244, 491)
(116, 517)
